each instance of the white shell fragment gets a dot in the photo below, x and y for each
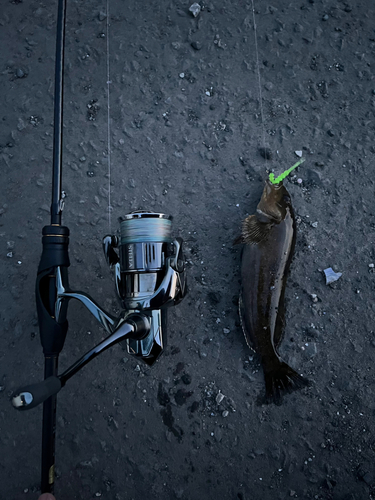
(298, 153)
(331, 276)
(195, 9)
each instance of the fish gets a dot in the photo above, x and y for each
(269, 238)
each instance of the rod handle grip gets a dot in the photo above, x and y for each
(32, 395)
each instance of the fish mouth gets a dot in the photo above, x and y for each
(276, 187)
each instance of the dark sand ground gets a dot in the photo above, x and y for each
(186, 130)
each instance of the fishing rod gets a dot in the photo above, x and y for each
(149, 270)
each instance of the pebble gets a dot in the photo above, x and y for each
(182, 75)
(195, 9)
(186, 379)
(226, 330)
(219, 398)
(20, 73)
(102, 16)
(196, 45)
(314, 297)
(325, 17)
(314, 224)
(371, 266)
(225, 413)
(298, 153)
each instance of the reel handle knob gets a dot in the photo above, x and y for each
(32, 395)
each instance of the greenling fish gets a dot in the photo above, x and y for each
(269, 237)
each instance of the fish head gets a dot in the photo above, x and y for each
(274, 203)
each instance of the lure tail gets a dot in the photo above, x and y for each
(280, 380)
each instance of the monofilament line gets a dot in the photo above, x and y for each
(108, 125)
(259, 83)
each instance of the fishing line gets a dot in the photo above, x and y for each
(108, 124)
(259, 82)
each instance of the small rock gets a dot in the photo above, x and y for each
(182, 75)
(21, 124)
(195, 9)
(314, 177)
(371, 266)
(325, 17)
(368, 478)
(186, 379)
(298, 153)
(219, 398)
(226, 330)
(314, 297)
(314, 224)
(20, 73)
(102, 16)
(225, 413)
(218, 434)
(331, 276)
(196, 45)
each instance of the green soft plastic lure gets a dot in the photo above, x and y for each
(284, 174)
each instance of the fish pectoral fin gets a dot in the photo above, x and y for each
(238, 240)
(254, 231)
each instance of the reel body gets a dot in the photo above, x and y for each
(149, 273)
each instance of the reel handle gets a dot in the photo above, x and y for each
(32, 395)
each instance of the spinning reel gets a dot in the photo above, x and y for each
(150, 276)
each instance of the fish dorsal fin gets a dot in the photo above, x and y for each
(254, 231)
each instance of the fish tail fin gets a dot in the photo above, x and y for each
(281, 380)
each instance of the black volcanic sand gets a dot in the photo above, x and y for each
(186, 133)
